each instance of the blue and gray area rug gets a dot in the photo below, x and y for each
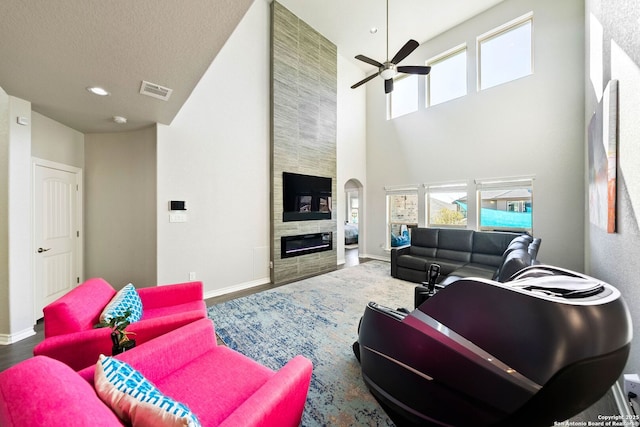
(318, 318)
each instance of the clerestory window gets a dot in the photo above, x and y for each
(404, 98)
(448, 77)
(506, 53)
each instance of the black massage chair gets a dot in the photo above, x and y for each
(533, 351)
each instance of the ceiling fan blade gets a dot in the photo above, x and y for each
(405, 51)
(363, 81)
(414, 69)
(368, 60)
(388, 86)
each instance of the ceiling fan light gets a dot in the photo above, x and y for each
(388, 73)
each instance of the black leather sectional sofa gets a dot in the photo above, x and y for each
(463, 253)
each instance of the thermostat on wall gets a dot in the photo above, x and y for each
(177, 205)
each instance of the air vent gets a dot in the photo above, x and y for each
(156, 91)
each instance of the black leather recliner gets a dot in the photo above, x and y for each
(538, 349)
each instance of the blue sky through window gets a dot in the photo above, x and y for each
(506, 56)
(448, 78)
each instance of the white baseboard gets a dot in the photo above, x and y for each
(6, 339)
(376, 257)
(621, 402)
(236, 288)
(267, 280)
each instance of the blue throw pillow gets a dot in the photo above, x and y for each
(402, 240)
(135, 399)
(127, 298)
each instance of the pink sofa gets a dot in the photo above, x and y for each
(69, 322)
(221, 386)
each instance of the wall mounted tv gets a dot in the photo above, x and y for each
(305, 197)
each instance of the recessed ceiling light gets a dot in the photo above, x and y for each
(373, 30)
(120, 120)
(96, 90)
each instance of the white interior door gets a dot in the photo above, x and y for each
(56, 231)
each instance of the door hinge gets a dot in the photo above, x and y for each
(77, 280)
(78, 233)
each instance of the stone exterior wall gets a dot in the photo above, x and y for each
(303, 133)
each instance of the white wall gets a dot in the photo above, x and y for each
(16, 277)
(351, 142)
(5, 309)
(215, 156)
(613, 52)
(46, 139)
(56, 142)
(531, 126)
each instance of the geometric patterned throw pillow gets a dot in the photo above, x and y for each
(126, 298)
(135, 400)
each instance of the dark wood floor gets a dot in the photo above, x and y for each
(23, 349)
(17, 352)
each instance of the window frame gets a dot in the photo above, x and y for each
(524, 182)
(449, 187)
(433, 62)
(500, 31)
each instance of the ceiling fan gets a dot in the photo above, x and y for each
(389, 69)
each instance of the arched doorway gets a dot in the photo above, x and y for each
(353, 224)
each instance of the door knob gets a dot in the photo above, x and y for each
(40, 250)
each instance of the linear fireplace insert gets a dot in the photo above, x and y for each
(303, 244)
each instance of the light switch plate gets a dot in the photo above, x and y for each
(177, 217)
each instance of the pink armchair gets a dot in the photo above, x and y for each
(69, 321)
(221, 387)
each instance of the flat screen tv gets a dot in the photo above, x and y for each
(305, 197)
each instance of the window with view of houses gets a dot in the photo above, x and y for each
(446, 205)
(501, 204)
(506, 205)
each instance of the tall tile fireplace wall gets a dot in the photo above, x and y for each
(303, 135)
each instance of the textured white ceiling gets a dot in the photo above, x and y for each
(50, 51)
